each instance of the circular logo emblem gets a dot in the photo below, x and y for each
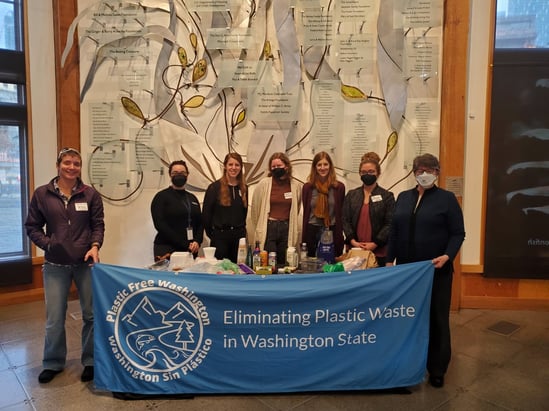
(158, 330)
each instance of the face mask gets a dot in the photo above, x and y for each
(179, 180)
(278, 172)
(426, 180)
(368, 179)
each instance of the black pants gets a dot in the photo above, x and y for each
(440, 349)
(225, 241)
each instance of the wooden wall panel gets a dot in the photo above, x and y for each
(67, 77)
(452, 117)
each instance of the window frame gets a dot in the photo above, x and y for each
(16, 267)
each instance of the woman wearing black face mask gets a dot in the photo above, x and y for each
(176, 216)
(368, 210)
(275, 208)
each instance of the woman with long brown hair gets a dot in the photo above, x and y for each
(226, 207)
(322, 197)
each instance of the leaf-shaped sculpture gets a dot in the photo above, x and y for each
(199, 70)
(353, 93)
(240, 117)
(133, 109)
(193, 102)
(267, 50)
(392, 141)
(194, 40)
(182, 55)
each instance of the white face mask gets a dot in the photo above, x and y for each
(426, 180)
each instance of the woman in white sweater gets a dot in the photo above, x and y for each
(275, 209)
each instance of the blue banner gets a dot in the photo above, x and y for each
(161, 333)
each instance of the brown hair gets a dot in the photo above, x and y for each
(371, 158)
(285, 159)
(426, 160)
(313, 175)
(224, 195)
(177, 163)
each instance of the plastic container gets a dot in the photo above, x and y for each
(241, 254)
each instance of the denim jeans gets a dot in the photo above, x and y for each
(277, 239)
(57, 284)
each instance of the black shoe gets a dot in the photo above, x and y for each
(47, 375)
(87, 374)
(436, 382)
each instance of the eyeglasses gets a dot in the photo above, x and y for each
(422, 170)
(66, 150)
(371, 172)
(179, 173)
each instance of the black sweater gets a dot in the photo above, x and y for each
(435, 228)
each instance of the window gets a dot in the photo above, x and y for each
(522, 24)
(15, 261)
(517, 239)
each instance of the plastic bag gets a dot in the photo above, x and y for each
(333, 268)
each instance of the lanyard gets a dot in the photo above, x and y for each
(187, 204)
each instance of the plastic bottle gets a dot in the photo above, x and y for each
(241, 254)
(256, 258)
(249, 257)
(326, 247)
(291, 257)
(303, 252)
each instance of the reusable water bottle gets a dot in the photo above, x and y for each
(326, 247)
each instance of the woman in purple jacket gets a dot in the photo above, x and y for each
(65, 219)
(322, 198)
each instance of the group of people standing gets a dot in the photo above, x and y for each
(425, 223)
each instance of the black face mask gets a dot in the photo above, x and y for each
(278, 172)
(368, 179)
(179, 180)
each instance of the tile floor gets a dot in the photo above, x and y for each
(489, 371)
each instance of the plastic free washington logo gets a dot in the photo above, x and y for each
(159, 332)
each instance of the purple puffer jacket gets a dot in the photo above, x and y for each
(71, 228)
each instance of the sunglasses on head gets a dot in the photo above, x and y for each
(67, 150)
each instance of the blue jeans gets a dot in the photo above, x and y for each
(57, 284)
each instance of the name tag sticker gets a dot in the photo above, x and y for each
(376, 198)
(81, 206)
(288, 195)
(189, 233)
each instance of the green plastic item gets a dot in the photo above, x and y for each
(333, 268)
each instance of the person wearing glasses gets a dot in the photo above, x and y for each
(323, 199)
(368, 210)
(275, 208)
(428, 225)
(176, 216)
(226, 207)
(66, 220)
